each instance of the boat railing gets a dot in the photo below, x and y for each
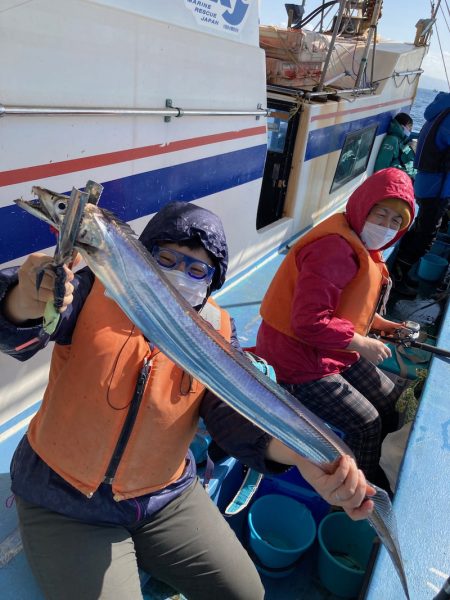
(307, 94)
(167, 113)
(370, 89)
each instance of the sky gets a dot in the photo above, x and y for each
(398, 21)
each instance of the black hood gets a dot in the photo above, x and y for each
(182, 221)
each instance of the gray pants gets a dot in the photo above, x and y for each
(188, 545)
(360, 401)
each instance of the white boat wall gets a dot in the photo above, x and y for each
(115, 54)
(85, 95)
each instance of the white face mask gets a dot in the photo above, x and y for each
(406, 131)
(192, 291)
(375, 237)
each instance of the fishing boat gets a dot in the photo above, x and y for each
(272, 129)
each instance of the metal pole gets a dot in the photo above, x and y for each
(373, 24)
(414, 72)
(332, 42)
(336, 77)
(130, 112)
(436, 8)
(434, 17)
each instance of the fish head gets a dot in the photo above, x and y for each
(51, 207)
(48, 206)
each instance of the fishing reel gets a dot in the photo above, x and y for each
(408, 335)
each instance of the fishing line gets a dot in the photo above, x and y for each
(114, 370)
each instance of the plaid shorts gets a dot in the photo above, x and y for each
(360, 402)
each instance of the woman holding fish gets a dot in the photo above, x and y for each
(104, 480)
(324, 300)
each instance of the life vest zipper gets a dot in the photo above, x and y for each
(129, 422)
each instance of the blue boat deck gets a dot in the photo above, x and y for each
(422, 498)
(421, 502)
(243, 298)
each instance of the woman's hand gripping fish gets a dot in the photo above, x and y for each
(132, 278)
(64, 253)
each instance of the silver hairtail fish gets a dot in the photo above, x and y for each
(133, 279)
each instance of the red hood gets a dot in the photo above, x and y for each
(387, 183)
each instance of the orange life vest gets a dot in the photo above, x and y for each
(88, 397)
(359, 299)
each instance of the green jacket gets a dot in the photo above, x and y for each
(395, 151)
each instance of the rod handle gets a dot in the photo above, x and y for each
(432, 349)
(444, 594)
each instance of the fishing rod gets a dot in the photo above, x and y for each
(408, 338)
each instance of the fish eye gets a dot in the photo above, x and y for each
(61, 205)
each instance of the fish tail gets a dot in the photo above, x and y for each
(383, 521)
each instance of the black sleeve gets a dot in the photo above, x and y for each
(24, 341)
(235, 434)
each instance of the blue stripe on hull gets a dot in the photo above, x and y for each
(329, 139)
(139, 195)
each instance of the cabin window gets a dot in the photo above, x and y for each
(276, 132)
(281, 134)
(354, 156)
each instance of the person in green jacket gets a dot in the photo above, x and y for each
(395, 150)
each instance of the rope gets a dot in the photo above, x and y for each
(442, 55)
(443, 14)
(448, 9)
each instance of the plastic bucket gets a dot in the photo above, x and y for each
(344, 551)
(280, 531)
(432, 267)
(440, 248)
(292, 484)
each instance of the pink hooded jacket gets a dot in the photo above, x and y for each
(325, 267)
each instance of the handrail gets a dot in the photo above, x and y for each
(168, 112)
(404, 73)
(338, 92)
(307, 94)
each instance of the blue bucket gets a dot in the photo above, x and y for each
(432, 267)
(440, 248)
(280, 531)
(344, 552)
